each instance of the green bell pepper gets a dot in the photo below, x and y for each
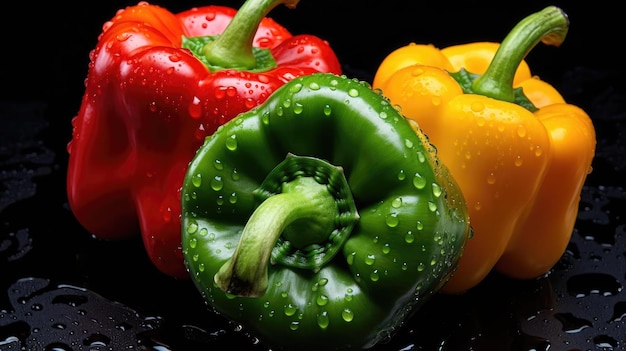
(322, 218)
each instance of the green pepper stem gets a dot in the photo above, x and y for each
(549, 26)
(233, 48)
(304, 199)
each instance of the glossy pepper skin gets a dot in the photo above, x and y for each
(322, 219)
(158, 83)
(520, 156)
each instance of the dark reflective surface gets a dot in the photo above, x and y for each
(61, 289)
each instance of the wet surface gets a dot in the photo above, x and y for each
(61, 289)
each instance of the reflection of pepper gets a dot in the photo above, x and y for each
(327, 207)
(521, 172)
(158, 84)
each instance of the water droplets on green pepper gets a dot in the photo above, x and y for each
(365, 222)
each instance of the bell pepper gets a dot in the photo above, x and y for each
(321, 219)
(519, 152)
(158, 83)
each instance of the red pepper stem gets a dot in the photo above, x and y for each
(304, 203)
(233, 48)
(549, 26)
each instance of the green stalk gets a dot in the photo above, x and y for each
(306, 214)
(549, 26)
(233, 48)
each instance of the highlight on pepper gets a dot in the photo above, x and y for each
(322, 218)
(519, 152)
(158, 84)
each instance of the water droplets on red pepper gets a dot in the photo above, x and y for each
(210, 16)
(195, 108)
(120, 37)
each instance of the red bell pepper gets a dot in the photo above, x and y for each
(157, 84)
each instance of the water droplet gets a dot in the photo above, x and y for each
(350, 258)
(353, 92)
(265, 117)
(401, 175)
(123, 36)
(436, 190)
(605, 342)
(418, 181)
(166, 213)
(383, 115)
(418, 71)
(421, 266)
(347, 315)
(249, 103)
(233, 198)
(289, 309)
(234, 175)
(386, 249)
(327, 110)
(322, 300)
(538, 151)
(408, 143)
(593, 283)
(370, 259)
(421, 157)
(491, 179)
(192, 227)
(397, 202)
(323, 320)
(295, 88)
(314, 86)
(419, 225)
(432, 206)
(322, 281)
(193, 242)
(196, 180)
(298, 108)
(374, 276)
(218, 165)
(572, 324)
(392, 220)
(521, 131)
(294, 325)
(477, 106)
(518, 161)
(219, 93)
(409, 237)
(619, 311)
(231, 142)
(210, 16)
(217, 183)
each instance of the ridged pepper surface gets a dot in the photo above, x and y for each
(158, 83)
(519, 152)
(321, 219)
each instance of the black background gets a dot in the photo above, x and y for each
(43, 64)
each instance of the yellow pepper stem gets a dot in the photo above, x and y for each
(549, 26)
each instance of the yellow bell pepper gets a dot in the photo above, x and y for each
(519, 152)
